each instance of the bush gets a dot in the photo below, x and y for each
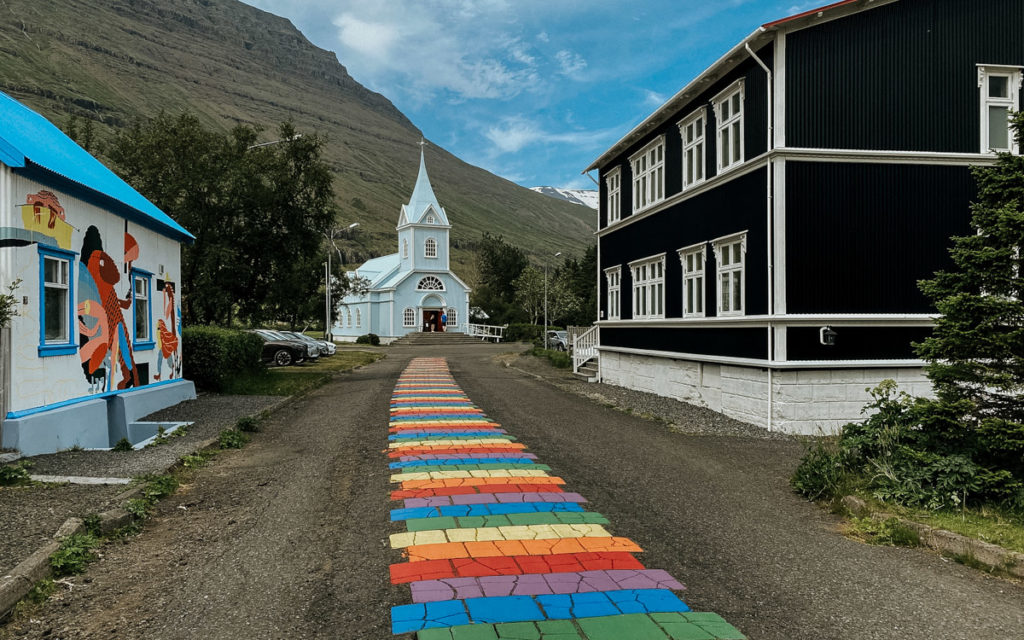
(74, 555)
(248, 424)
(12, 475)
(521, 332)
(821, 473)
(369, 338)
(124, 444)
(231, 439)
(212, 355)
(559, 359)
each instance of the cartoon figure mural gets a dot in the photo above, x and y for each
(168, 328)
(44, 222)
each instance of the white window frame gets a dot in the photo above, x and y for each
(694, 280)
(348, 317)
(1011, 103)
(453, 318)
(613, 276)
(359, 317)
(409, 317)
(430, 248)
(726, 269)
(648, 276)
(431, 219)
(61, 284)
(648, 175)
(141, 311)
(613, 182)
(695, 148)
(733, 125)
(429, 280)
(405, 248)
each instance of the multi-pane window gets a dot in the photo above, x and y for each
(649, 175)
(409, 317)
(56, 294)
(348, 318)
(693, 280)
(648, 287)
(614, 183)
(430, 283)
(729, 114)
(430, 220)
(730, 253)
(453, 318)
(430, 248)
(614, 278)
(140, 289)
(1000, 95)
(692, 130)
(359, 317)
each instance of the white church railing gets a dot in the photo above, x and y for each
(486, 331)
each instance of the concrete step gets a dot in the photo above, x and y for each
(589, 371)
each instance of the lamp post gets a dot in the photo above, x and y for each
(327, 280)
(546, 261)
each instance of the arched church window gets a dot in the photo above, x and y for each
(409, 317)
(348, 318)
(430, 283)
(405, 248)
(359, 317)
(430, 248)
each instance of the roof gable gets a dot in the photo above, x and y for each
(28, 138)
(423, 199)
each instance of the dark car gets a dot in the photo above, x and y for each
(282, 350)
(325, 348)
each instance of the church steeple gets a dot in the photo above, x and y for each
(422, 200)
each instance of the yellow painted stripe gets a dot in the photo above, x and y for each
(485, 534)
(473, 473)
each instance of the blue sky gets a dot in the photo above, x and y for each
(531, 90)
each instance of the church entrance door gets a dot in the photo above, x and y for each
(431, 320)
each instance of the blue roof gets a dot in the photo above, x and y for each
(27, 137)
(376, 268)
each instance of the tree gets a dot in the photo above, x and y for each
(561, 299)
(529, 292)
(258, 213)
(581, 279)
(976, 352)
(500, 264)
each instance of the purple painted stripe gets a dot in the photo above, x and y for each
(492, 498)
(461, 456)
(542, 584)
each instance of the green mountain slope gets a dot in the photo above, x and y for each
(114, 61)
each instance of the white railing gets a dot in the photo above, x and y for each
(486, 331)
(584, 347)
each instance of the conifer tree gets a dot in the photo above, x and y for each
(976, 352)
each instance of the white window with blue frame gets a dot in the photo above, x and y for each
(56, 293)
(142, 309)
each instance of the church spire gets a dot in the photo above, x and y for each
(423, 195)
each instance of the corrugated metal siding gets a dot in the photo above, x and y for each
(735, 343)
(735, 206)
(902, 76)
(860, 236)
(855, 343)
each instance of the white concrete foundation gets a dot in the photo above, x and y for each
(804, 401)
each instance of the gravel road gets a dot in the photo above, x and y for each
(288, 537)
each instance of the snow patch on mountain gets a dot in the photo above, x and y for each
(585, 197)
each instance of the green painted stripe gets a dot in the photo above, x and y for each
(634, 626)
(505, 520)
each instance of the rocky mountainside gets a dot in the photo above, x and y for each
(584, 197)
(114, 61)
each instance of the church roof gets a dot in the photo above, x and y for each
(422, 200)
(377, 269)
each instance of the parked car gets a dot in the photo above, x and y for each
(283, 350)
(558, 340)
(326, 348)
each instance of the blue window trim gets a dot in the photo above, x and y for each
(143, 345)
(47, 349)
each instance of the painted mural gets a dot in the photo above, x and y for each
(168, 328)
(43, 222)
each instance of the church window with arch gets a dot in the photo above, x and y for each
(409, 317)
(405, 248)
(430, 283)
(430, 248)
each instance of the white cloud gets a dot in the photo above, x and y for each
(653, 98)
(516, 133)
(513, 135)
(570, 63)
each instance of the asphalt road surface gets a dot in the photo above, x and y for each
(287, 538)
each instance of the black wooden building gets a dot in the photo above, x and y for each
(762, 233)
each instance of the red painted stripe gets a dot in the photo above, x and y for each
(402, 494)
(512, 566)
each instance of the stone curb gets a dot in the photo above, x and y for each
(947, 542)
(19, 582)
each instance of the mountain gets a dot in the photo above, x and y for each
(115, 61)
(585, 197)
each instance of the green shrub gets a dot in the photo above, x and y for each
(138, 508)
(559, 359)
(369, 338)
(821, 474)
(74, 555)
(212, 355)
(158, 487)
(12, 475)
(124, 444)
(248, 424)
(231, 439)
(522, 332)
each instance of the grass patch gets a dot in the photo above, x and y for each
(198, 459)
(288, 381)
(889, 532)
(124, 444)
(559, 359)
(248, 424)
(985, 524)
(232, 439)
(15, 475)
(74, 555)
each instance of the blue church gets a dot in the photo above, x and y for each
(413, 289)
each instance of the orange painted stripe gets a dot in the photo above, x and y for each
(511, 447)
(490, 549)
(403, 494)
(472, 482)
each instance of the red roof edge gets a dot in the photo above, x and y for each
(808, 13)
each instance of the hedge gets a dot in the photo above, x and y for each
(523, 332)
(212, 355)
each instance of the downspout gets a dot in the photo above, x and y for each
(770, 226)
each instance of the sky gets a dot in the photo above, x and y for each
(531, 90)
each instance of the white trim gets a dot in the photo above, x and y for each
(776, 364)
(779, 237)
(699, 275)
(792, 320)
(885, 156)
(699, 142)
(779, 95)
(1011, 103)
(426, 245)
(616, 206)
(649, 258)
(727, 268)
(613, 303)
(651, 287)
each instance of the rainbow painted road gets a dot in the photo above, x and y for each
(496, 548)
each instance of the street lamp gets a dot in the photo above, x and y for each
(327, 279)
(546, 261)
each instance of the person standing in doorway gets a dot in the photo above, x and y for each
(444, 320)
